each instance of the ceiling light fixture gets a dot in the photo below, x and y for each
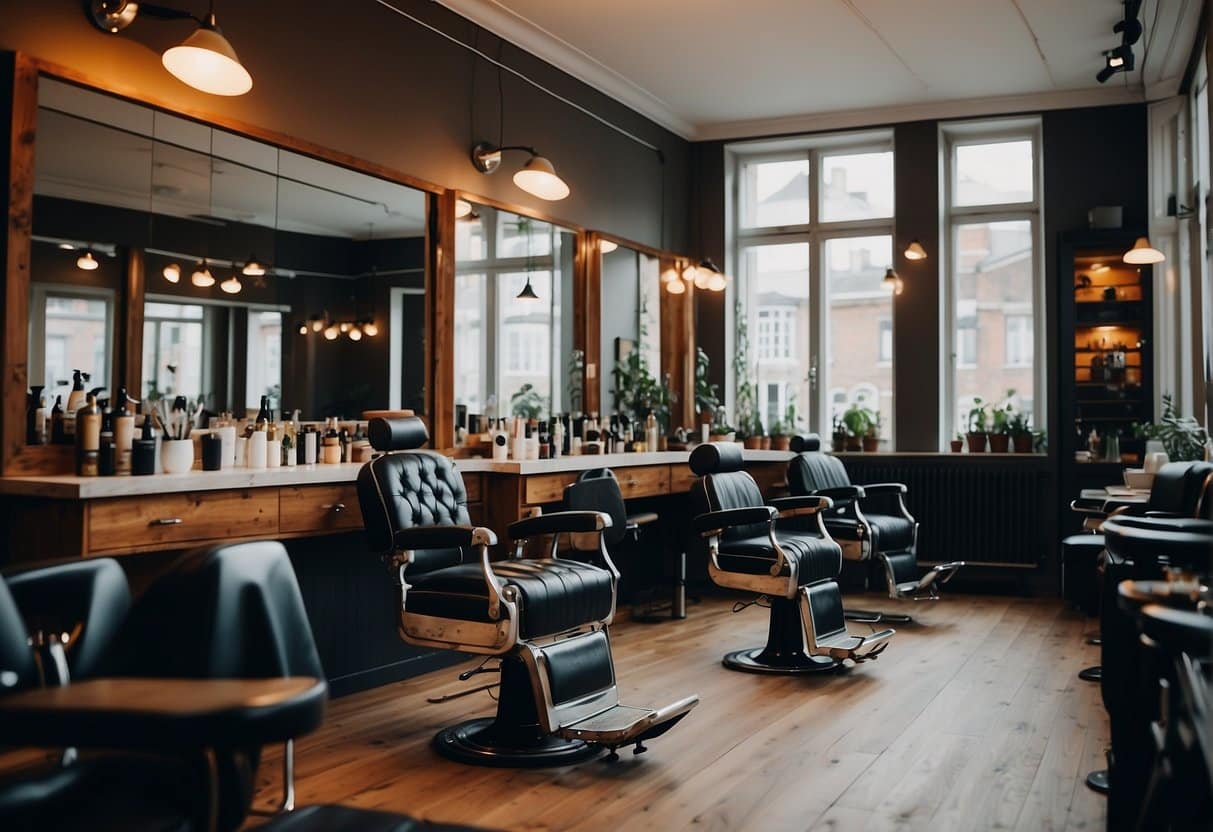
(370, 329)
(316, 322)
(1143, 254)
(708, 276)
(87, 261)
(1121, 59)
(253, 268)
(528, 291)
(331, 333)
(172, 273)
(67, 247)
(355, 334)
(205, 60)
(915, 251)
(677, 286)
(463, 208)
(607, 246)
(302, 327)
(232, 285)
(537, 177)
(202, 277)
(892, 282)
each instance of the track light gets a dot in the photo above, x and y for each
(537, 177)
(370, 329)
(87, 261)
(232, 285)
(1143, 254)
(331, 333)
(202, 277)
(205, 60)
(915, 251)
(172, 273)
(253, 268)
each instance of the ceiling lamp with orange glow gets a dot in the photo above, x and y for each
(202, 277)
(1143, 254)
(607, 246)
(537, 177)
(915, 251)
(708, 276)
(87, 262)
(205, 60)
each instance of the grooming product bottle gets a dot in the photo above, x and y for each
(273, 447)
(40, 421)
(88, 438)
(143, 451)
(331, 446)
(501, 442)
(33, 404)
(311, 445)
(106, 455)
(289, 437)
(124, 432)
(257, 448)
(532, 440)
(650, 432)
(558, 438)
(518, 439)
(58, 434)
(264, 417)
(75, 400)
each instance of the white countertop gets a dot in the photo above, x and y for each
(68, 487)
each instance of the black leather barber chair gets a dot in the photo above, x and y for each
(795, 571)
(1147, 561)
(872, 525)
(163, 705)
(642, 558)
(545, 618)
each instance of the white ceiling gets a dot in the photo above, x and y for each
(710, 69)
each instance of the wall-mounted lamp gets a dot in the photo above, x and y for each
(202, 277)
(463, 209)
(87, 261)
(915, 251)
(537, 177)
(676, 286)
(892, 282)
(172, 273)
(205, 60)
(1143, 254)
(607, 246)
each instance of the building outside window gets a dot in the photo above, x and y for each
(172, 349)
(70, 329)
(812, 229)
(994, 314)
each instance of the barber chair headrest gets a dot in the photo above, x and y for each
(405, 433)
(802, 443)
(716, 458)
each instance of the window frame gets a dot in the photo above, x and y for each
(39, 292)
(991, 131)
(815, 233)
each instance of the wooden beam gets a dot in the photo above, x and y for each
(587, 318)
(678, 344)
(440, 335)
(129, 371)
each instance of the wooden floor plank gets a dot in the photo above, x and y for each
(971, 720)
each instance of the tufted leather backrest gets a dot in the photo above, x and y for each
(406, 489)
(17, 668)
(723, 484)
(1178, 488)
(812, 471)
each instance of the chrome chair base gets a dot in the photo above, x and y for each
(1097, 781)
(763, 660)
(485, 742)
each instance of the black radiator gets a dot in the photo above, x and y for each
(989, 510)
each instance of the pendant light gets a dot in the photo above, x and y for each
(677, 286)
(302, 327)
(1143, 254)
(172, 273)
(891, 282)
(331, 333)
(463, 208)
(915, 251)
(316, 322)
(202, 277)
(87, 261)
(370, 329)
(355, 334)
(528, 291)
(253, 268)
(232, 285)
(709, 277)
(607, 246)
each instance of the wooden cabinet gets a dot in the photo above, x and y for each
(547, 488)
(643, 481)
(141, 524)
(319, 509)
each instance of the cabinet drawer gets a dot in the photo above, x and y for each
(643, 480)
(681, 478)
(547, 488)
(772, 477)
(472, 483)
(129, 523)
(318, 508)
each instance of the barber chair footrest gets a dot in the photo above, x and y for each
(482, 742)
(856, 648)
(624, 724)
(926, 588)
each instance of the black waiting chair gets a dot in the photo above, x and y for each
(873, 526)
(642, 566)
(795, 570)
(545, 618)
(161, 704)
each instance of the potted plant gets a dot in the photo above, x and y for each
(527, 402)
(780, 440)
(978, 426)
(1182, 437)
(754, 438)
(721, 431)
(1020, 427)
(790, 426)
(871, 438)
(707, 395)
(839, 436)
(857, 420)
(1000, 431)
(958, 443)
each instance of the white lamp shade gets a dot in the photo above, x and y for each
(607, 246)
(676, 286)
(253, 268)
(331, 333)
(462, 208)
(202, 278)
(370, 328)
(207, 62)
(717, 282)
(172, 273)
(538, 178)
(1143, 254)
(915, 251)
(87, 262)
(355, 334)
(232, 285)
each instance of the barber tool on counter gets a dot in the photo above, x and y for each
(75, 400)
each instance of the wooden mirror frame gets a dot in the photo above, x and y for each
(22, 71)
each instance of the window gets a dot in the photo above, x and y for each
(264, 358)
(172, 349)
(812, 219)
(71, 329)
(994, 274)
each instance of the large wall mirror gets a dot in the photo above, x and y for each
(259, 271)
(630, 324)
(513, 321)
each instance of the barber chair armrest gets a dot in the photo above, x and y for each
(443, 537)
(799, 506)
(714, 523)
(873, 489)
(841, 493)
(164, 714)
(559, 522)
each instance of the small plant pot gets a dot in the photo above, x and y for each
(1022, 443)
(976, 442)
(720, 437)
(854, 443)
(839, 442)
(958, 445)
(871, 444)
(1000, 443)
(753, 443)
(781, 443)
(766, 443)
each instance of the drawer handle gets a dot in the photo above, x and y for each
(336, 508)
(167, 521)
(633, 483)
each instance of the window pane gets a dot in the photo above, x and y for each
(858, 367)
(775, 193)
(77, 338)
(857, 186)
(264, 358)
(777, 290)
(525, 333)
(469, 238)
(994, 315)
(994, 174)
(519, 236)
(469, 352)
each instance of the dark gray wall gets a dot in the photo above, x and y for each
(360, 79)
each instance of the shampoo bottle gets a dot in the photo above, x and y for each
(88, 438)
(143, 451)
(124, 432)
